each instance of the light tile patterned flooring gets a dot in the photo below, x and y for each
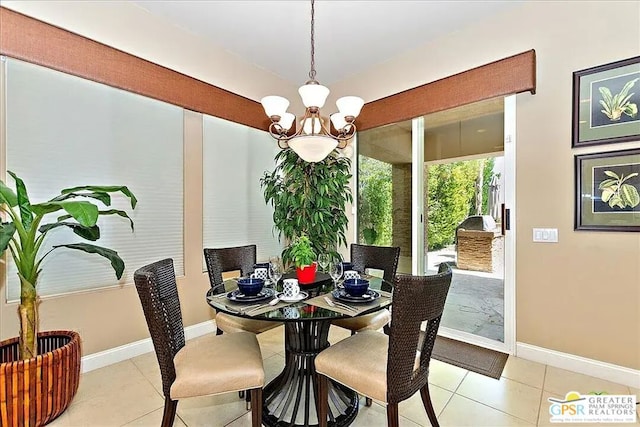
(129, 394)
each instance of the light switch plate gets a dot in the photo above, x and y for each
(545, 235)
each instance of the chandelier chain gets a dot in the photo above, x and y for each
(312, 72)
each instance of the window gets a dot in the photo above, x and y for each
(235, 157)
(64, 131)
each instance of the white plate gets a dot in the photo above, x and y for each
(301, 295)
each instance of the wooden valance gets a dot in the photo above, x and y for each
(37, 42)
(507, 76)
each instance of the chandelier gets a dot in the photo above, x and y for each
(313, 141)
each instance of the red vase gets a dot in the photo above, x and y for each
(306, 274)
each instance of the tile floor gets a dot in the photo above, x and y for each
(129, 394)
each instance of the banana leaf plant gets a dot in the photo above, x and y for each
(23, 235)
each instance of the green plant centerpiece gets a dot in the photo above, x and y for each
(301, 252)
(23, 235)
(309, 200)
(304, 258)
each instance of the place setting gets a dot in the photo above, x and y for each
(355, 290)
(352, 297)
(341, 272)
(251, 297)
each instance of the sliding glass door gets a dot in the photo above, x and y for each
(385, 189)
(436, 186)
(464, 188)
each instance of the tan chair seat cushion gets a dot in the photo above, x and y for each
(230, 324)
(218, 364)
(368, 322)
(359, 362)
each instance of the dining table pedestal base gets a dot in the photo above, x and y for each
(290, 398)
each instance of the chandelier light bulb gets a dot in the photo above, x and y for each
(313, 95)
(274, 105)
(286, 120)
(338, 121)
(347, 151)
(312, 126)
(350, 105)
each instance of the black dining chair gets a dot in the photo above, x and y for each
(390, 368)
(383, 258)
(220, 260)
(206, 366)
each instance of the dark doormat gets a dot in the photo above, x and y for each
(477, 359)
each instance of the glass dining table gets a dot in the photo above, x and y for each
(289, 399)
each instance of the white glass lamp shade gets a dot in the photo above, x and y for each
(274, 105)
(350, 105)
(286, 120)
(347, 151)
(313, 148)
(312, 126)
(338, 121)
(313, 95)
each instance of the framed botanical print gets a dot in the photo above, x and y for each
(608, 191)
(606, 100)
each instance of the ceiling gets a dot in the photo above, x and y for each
(350, 36)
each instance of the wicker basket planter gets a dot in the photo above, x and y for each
(35, 391)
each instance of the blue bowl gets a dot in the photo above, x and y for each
(356, 287)
(250, 286)
(346, 266)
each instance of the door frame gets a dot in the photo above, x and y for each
(418, 232)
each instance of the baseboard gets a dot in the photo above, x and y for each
(127, 351)
(582, 365)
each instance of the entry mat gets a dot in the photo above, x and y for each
(477, 359)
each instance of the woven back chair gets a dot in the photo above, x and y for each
(195, 368)
(380, 257)
(220, 260)
(396, 366)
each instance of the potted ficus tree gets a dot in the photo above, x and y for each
(309, 200)
(54, 372)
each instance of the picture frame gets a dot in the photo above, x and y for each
(608, 191)
(606, 103)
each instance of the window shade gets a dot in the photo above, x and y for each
(64, 131)
(235, 157)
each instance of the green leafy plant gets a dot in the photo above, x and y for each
(451, 188)
(618, 104)
(370, 235)
(616, 193)
(374, 201)
(23, 236)
(309, 199)
(301, 252)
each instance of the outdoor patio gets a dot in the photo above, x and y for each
(476, 299)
